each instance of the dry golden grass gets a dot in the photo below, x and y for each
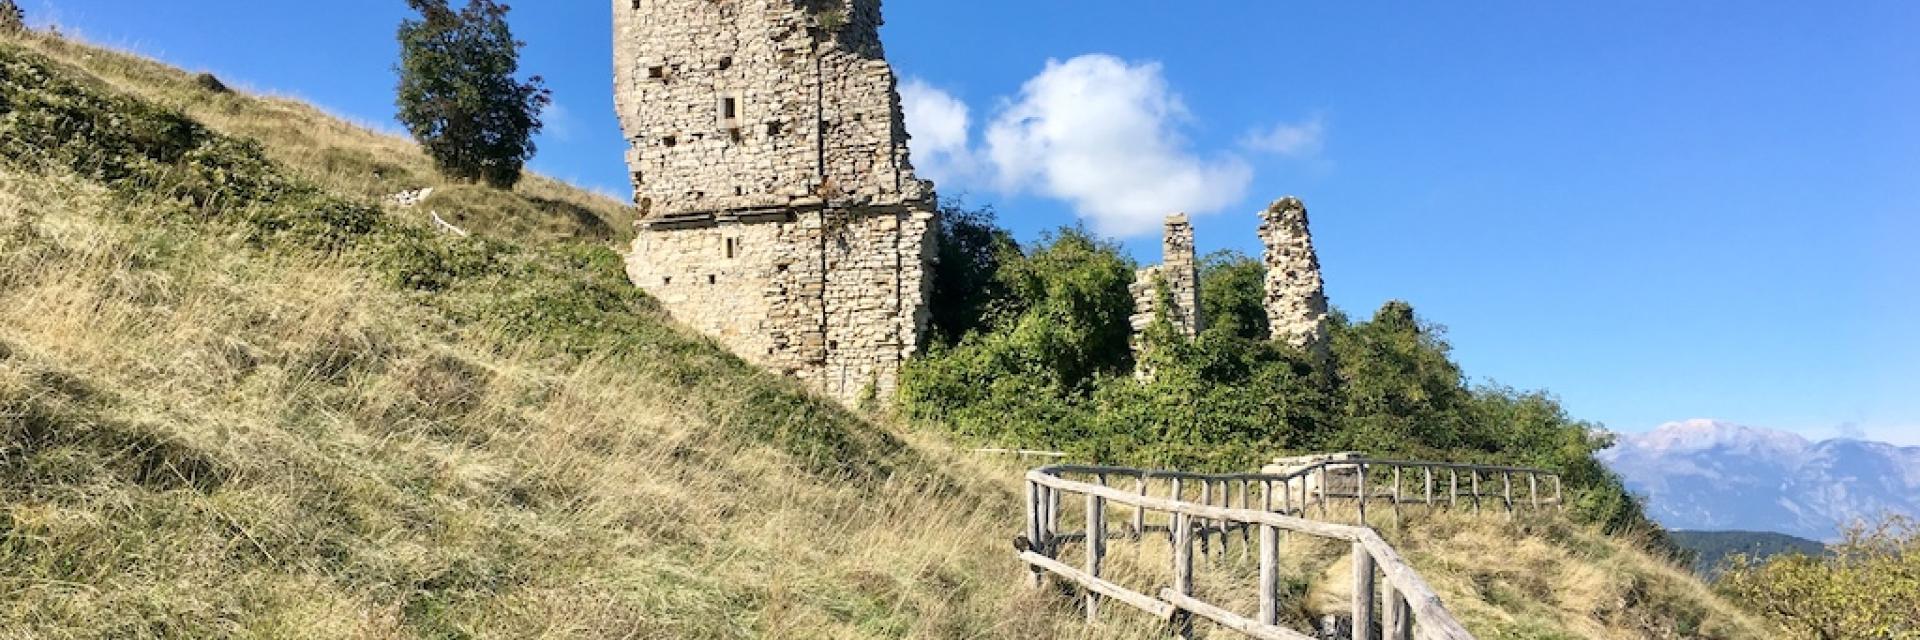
(199, 438)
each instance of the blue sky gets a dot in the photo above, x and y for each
(1657, 210)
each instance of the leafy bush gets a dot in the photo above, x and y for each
(458, 95)
(1868, 587)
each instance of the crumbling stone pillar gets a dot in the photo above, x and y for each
(1296, 295)
(1170, 289)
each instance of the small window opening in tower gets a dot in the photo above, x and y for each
(726, 63)
(729, 109)
(733, 247)
(773, 129)
(657, 72)
(713, 279)
(670, 141)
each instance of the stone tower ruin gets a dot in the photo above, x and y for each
(778, 211)
(1296, 298)
(1296, 294)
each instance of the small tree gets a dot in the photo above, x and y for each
(12, 19)
(458, 95)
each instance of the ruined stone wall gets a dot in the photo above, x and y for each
(1296, 294)
(1296, 299)
(1175, 283)
(779, 212)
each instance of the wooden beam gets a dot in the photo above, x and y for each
(1230, 620)
(1153, 607)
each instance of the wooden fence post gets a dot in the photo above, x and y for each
(1360, 491)
(1269, 575)
(1096, 549)
(1325, 511)
(1171, 539)
(1533, 490)
(1183, 569)
(1398, 621)
(1246, 502)
(1139, 512)
(1506, 491)
(1475, 474)
(1396, 495)
(1036, 576)
(1427, 472)
(1558, 500)
(1053, 517)
(1362, 592)
(1453, 488)
(1206, 498)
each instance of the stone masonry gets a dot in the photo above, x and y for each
(779, 213)
(1296, 300)
(1180, 275)
(1296, 294)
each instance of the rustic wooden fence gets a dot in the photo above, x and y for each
(1286, 503)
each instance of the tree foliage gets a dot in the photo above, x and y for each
(972, 249)
(459, 95)
(1868, 587)
(1233, 294)
(1044, 361)
(12, 19)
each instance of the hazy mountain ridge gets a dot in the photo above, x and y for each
(1712, 548)
(1712, 475)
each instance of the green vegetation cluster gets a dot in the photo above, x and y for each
(459, 95)
(1032, 350)
(1866, 588)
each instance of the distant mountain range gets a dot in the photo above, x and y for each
(1711, 475)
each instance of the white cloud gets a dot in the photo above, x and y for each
(1103, 135)
(940, 125)
(1296, 140)
(1095, 131)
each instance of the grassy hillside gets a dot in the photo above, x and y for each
(240, 399)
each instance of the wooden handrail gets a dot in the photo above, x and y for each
(1412, 609)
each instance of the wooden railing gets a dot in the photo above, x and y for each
(1411, 608)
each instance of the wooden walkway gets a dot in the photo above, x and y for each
(1286, 503)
